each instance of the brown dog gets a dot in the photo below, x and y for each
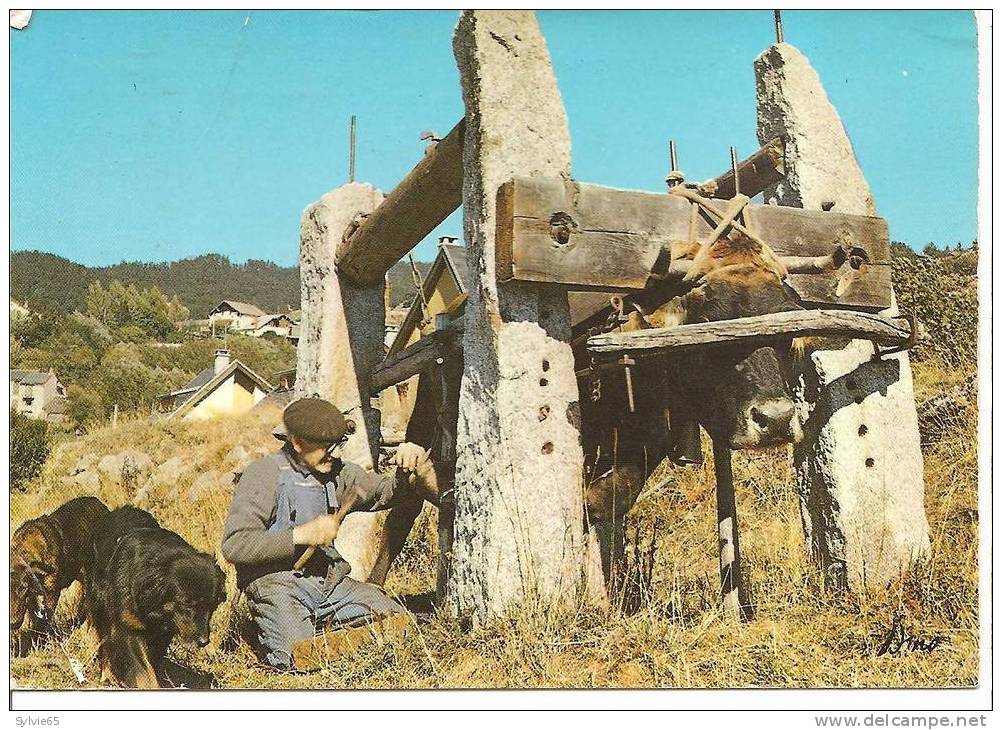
(148, 587)
(46, 555)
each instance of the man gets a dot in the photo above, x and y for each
(285, 515)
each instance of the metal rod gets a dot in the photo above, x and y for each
(778, 18)
(675, 176)
(734, 170)
(732, 588)
(351, 152)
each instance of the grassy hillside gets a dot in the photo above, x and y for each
(801, 637)
(50, 282)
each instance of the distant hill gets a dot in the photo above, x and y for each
(49, 282)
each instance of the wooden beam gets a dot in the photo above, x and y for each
(588, 237)
(412, 360)
(755, 173)
(422, 200)
(796, 323)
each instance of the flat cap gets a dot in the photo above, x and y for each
(313, 419)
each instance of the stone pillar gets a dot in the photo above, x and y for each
(341, 342)
(859, 467)
(518, 497)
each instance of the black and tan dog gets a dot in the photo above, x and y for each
(150, 586)
(46, 555)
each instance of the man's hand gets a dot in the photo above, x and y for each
(319, 531)
(409, 456)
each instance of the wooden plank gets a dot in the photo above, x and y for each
(755, 173)
(412, 360)
(796, 323)
(799, 232)
(865, 289)
(589, 237)
(422, 200)
(614, 237)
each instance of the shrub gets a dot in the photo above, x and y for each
(944, 296)
(30, 445)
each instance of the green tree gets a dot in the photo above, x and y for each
(30, 445)
(85, 406)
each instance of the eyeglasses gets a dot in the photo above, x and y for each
(329, 454)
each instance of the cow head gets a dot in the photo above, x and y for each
(737, 392)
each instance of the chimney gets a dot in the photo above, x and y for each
(443, 240)
(222, 361)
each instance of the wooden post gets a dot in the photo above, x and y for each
(114, 417)
(519, 508)
(341, 342)
(859, 467)
(732, 589)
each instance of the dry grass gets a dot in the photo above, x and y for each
(801, 636)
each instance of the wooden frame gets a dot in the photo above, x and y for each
(583, 236)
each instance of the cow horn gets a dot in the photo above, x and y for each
(821, 264)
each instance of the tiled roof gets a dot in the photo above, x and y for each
(30, 377)
(241, 307)
(199, 380)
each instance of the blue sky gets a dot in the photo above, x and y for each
(161, 135)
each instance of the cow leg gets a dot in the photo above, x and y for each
(607, 500)
(611, 536)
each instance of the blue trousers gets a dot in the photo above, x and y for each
(288, 607)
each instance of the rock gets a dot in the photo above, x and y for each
(238, 457)
(85, 462)
(516, 350)
(206, 483)
(335, 310)
(86, 481)
(859, 467)
(125, 465)
(940, 415)
(169, 472)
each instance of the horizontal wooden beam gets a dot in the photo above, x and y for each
(413, 360)
(588, 237)
(797, 323)
(422, 200)
(756, 173)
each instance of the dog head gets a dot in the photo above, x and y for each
(34, 583)
(193, 589)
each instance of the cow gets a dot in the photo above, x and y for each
(739, 394)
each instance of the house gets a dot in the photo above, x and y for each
(284, 392)
(395, 317)
(230, 314)
(444, 289)
(18, 310)
(228, 387)
(37, 394)
(277, 324)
